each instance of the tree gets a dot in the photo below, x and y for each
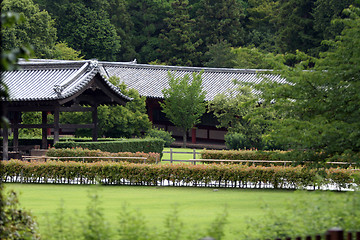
(115, 121)
(220, 20)
(36, 28)
(321, 107)
(124, 121)
(184, 101)
(254, 58)
(294, 24)
(179, 43)
(16, 223)
(233, 110)
(62, 51)
(148, 20)
(220, 55)
(260, 26)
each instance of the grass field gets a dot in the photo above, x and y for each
(180, 156)
(197, 206)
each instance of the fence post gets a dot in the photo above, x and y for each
(171, 153)
(194, 155)
(336, 234)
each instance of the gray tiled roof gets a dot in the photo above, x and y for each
(57, 79)
(51, 79)
(150, 80)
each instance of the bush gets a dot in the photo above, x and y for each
(236, 141)
(214, 175)
(16, 223)
(80, 152)
(164, 135)
(145, 145)
(242, 154)
(304, 216)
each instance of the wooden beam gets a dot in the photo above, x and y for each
(33, 125)
(76, 109)
(74, 126)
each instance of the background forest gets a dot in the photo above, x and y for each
(212, 33)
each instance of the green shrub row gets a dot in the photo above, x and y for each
(242, 154)
(216, 175)
(146, 145)
(349, 157)
(38, 140)
(80, 152)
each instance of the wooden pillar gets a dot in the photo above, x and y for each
(5, 133)
(17, 116)
(95, 122)
(193, 135)
(336, 234)
(56, 123)
(44, 130)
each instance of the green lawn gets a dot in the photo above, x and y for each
(197, 206)
(180, 156)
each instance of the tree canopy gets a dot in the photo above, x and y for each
(184, 101)
(176, 32)
(320, 108)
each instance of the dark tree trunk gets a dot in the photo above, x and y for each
(184, 138)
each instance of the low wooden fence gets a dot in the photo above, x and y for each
(195, 160)
(172, 152)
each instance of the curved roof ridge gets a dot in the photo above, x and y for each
(181, 68)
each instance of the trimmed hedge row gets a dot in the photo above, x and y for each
(50, 140)
(80, 152)
(214, 175)
(353, 158)
(146, 145)
(242, 154)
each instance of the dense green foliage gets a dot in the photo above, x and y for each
(177, 32)
(212, 175)
(232, 110)
(318, 110)
(131, 225)
(307, 217)
(184, 101)
(16, 223)
(162, 134)
(242, 155)
(80, 152)
(146, 145)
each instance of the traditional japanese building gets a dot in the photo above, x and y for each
(53, 86)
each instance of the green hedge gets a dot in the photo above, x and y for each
(80, 152)
(38, 140)
(242, 154)
(146, 145)
(214, 175)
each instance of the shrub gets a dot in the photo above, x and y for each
(80, 152)
(16, 223)
(164, 135)
(126, 145)
(242, 154)
(236, 141)
(214, 175)
(304, 216)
